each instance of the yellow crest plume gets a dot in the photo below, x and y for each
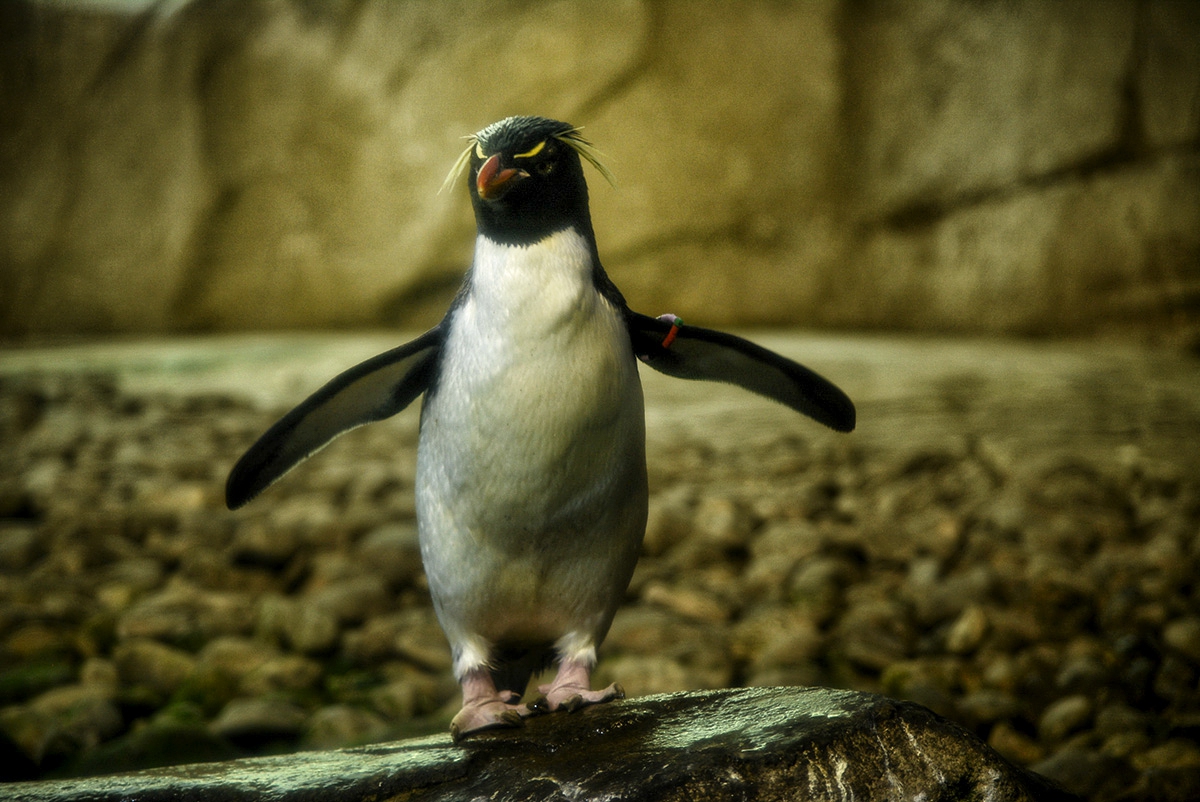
(569, 137)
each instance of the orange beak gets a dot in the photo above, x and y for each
(492, 182)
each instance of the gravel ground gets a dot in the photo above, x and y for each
(1048, 601)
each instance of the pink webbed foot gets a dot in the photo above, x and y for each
(572, 688)
(485, 708)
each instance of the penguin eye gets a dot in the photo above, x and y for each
(546, 165)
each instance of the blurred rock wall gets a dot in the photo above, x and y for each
(1018, 166)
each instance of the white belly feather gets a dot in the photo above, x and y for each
(531, 484)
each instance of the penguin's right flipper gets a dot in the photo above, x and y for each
(371, 391)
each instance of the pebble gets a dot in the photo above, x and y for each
(925, 680)
(1126, 744)
(187, 614)
(149, 664)
(353, 600)
(260, 720)
(1064, 717)
(29, 730)
(373, 642)
(1174, 754)
(642, 676)
(946, 597)
(309, 516)
(84, 715)
(689, 603)
(775, 636)
(1183, 635)
(775, 553)
(669, 519)
(721, 522)
(419, 639)
(261, 543)
(874, 634)
(988, 706)
(1082, 674)
(100, 674)
(817, 586)
(1115, 719)
(18, 546)
(336, 726)
(307, 628)
(968, 630)
(392, 551)
(1015, 746)
(1088, 773)
(234, 657)
(37, 641)
(129, 579)
(281, 673)
(409, 692)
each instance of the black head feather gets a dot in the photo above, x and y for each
(510, 132)
(518, 134)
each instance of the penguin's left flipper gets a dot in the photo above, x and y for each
(371, 391)
(691, 352)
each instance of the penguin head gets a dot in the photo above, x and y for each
(526, 178)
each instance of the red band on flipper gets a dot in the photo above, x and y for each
(676, 323)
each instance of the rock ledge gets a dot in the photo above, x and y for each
(751, 743)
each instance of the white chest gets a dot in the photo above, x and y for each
(538, 403)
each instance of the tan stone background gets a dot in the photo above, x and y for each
(1001, 167)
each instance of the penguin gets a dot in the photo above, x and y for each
(531, 490)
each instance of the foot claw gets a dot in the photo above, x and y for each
(511, 718)
(571, 698)
(487, 715)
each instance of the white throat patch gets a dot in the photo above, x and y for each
(535, 288)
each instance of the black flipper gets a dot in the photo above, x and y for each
(697, 353)
(371, 391)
